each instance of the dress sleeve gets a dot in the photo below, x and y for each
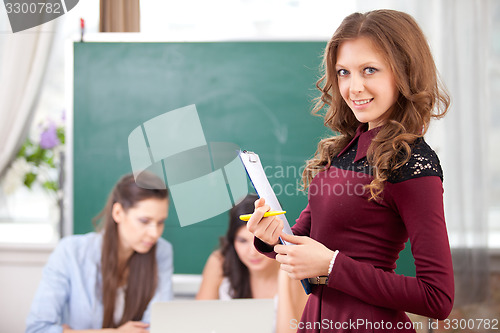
(164, 291)
(302, 225)
(419, 202)
(52, 294)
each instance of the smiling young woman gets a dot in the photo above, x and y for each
(380, 91)
(365, 81)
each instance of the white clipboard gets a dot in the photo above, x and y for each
(258, 177)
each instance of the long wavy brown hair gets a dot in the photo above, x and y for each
(233, 268)
(421, 94)
(143, 273)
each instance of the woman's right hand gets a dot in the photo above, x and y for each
(133, 327)
(267, 229)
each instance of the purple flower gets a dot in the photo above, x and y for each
(49, 138)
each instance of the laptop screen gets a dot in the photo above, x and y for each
(213, 316)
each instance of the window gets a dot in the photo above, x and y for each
(32, 216)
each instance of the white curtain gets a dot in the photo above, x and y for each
(458, 32)
(23, 62)
(465, 26)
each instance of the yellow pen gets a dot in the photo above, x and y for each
(246, 217)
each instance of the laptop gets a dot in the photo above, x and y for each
(213, 316)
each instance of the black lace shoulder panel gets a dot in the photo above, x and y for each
(346, 161)
(423, 162)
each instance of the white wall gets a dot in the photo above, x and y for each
(20, 271)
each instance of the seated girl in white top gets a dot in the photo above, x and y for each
(107, 281)
(237, 269)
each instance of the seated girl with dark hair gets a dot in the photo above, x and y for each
(237, 269)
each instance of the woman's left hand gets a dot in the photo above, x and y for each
(308, 258)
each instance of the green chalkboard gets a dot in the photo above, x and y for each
(256, 95)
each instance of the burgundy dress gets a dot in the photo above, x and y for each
(363, 293)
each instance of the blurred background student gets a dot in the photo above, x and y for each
(237, 269)
(108, 279)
